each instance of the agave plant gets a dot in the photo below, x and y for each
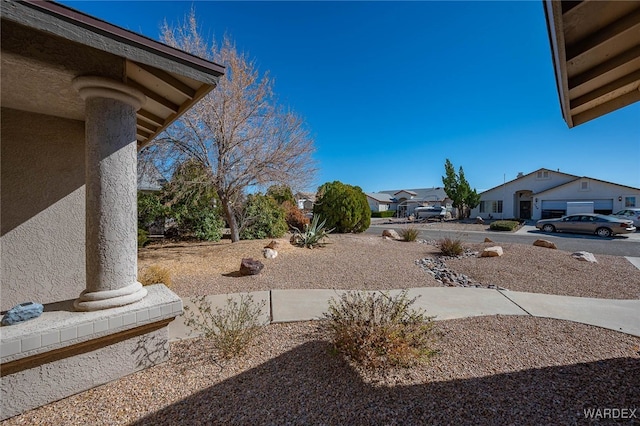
(312, 235)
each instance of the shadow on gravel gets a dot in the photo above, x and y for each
(288, 390)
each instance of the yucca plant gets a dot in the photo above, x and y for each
(312, 235)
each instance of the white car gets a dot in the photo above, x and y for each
(631, 213)
(430, 212)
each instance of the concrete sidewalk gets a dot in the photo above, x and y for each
(444, 303)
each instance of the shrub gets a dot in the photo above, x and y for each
(208, 225)
(263, 218)
(150, 209)
(504, 225)
(386, 213)
(451, 247)
(344, 207)
(410, 233)
(143, 237)
(294, 217)
(281, 193)
(376, 330)
(155, 274)
(231, 328)
(312, 235)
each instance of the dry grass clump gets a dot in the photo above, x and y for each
(410, 234)
(451, 247)
(155, 274)
(378, 331)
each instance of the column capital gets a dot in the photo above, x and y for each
(102, 87)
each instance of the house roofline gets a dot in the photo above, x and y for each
(528, 174)
(585, 177)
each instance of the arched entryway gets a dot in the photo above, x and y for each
(524, 207)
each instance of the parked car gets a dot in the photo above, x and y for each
(632, 214)
(430, 212)
(604, 226)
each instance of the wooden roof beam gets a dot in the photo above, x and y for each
(630, 22)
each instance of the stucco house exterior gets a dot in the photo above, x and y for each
(305, 200)
(79, 98)
(405, 201)
(544, 193)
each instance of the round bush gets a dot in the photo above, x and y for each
(344, 207)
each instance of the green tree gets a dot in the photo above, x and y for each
(150, 209)
(262, 218)
(344, 207)
(192, 202)
(458, 190)
(281, 193)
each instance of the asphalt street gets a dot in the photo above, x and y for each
(620, 245)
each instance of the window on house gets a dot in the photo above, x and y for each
(543, 174)
(584, 185)
(629, 201)
(491, 206)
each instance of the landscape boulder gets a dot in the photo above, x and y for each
(479, 220)
(585, 256)
(544, 243)
(494, 251)
(272, 245)
(249, 266)
(269, 253)
(391, 234)
(488, 240)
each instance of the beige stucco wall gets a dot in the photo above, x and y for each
(42, 202)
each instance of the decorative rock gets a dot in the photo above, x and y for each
(585, 256)
(391, 234)
(269, 253)
(272, 245)
(479, 220)
(488, 240)
(249, 266)
(494, 251)
(22, 312)
(544, 243)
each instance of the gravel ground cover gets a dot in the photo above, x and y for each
(373, 263)
(489, 370)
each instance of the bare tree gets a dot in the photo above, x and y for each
(238, 132)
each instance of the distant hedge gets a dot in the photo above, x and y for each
(386, 213)
(504, 225)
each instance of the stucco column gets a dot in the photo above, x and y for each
(111, 191)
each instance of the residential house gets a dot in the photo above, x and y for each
(149, 178)
(405, 201)
(305, 200)
(544, 193)
(79, 98)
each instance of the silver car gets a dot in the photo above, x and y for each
(604, 226)
(630, 214)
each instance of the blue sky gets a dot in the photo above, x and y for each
(391, 89)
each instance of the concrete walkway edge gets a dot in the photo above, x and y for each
(279, 306)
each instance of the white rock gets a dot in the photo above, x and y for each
(585, 256)
(391, 234)
(494, 251)
(269, 253)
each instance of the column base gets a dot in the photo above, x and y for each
(98, 300)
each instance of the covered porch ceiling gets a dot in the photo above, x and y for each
(596, 56)
(172, 80)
